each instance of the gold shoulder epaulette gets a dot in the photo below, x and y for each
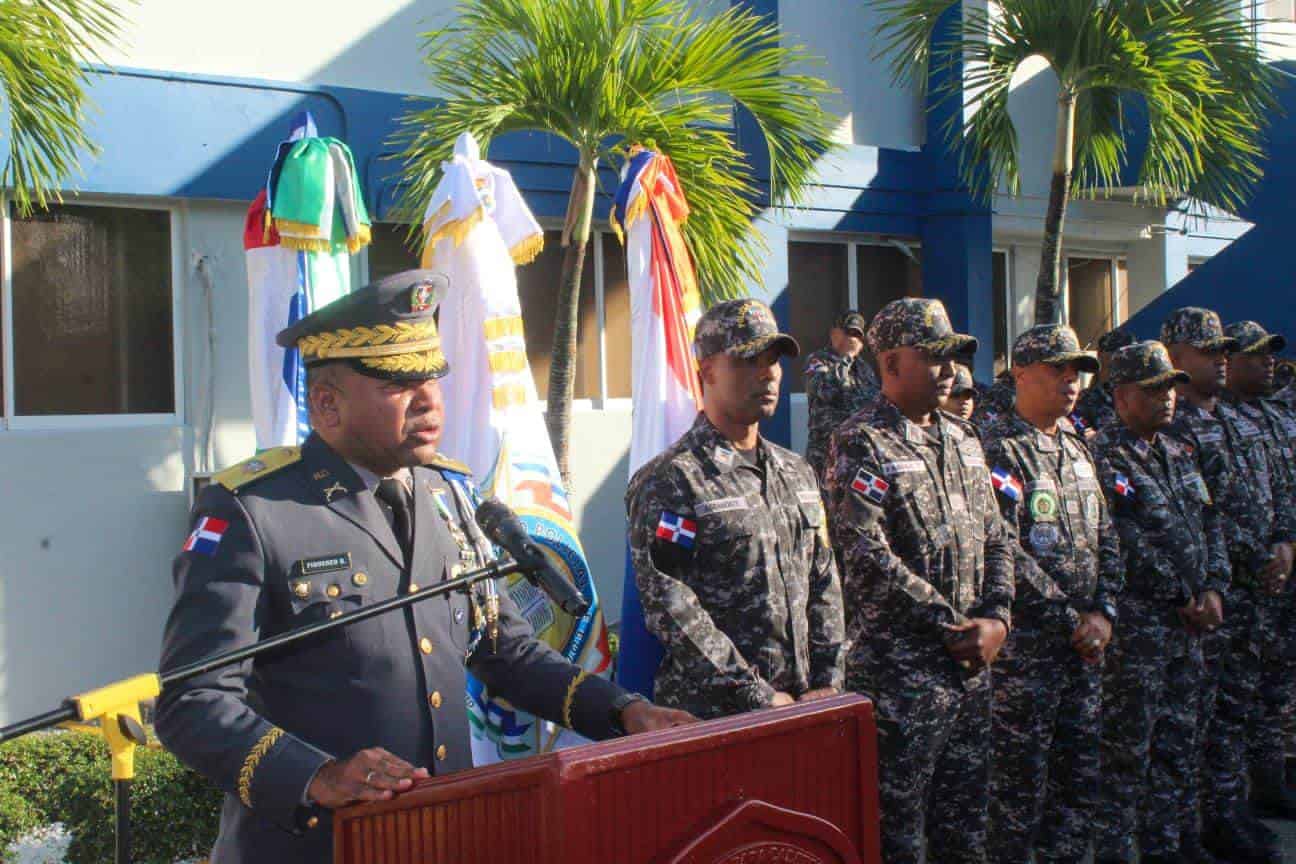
(261, 465)
(443, 461)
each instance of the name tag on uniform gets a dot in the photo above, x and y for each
(1083, 469)
(808, 496)
(720, 505)
(326, 564)
(1246, 427)
(1212, 436)
(1041, 483)
(904, 466)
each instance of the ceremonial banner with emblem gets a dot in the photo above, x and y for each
(648, 215)
(477, 229)
(299, 236)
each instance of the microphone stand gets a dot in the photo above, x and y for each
(116, 707)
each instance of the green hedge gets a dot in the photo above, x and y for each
(63, 777)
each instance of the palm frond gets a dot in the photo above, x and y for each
(42, 83)
(1193, 64)
(603, 74)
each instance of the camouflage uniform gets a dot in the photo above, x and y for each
(732, 559)
(1276, 703)
(996, 401)
(1095, 407)
(922, 545)
(1173, 552)
(836, 387)
(1047, 699)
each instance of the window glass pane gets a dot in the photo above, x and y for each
(538, 292)
(616, 318)
(818, 291)
(999, 281)
(1089, 293)
(886, 273)
(389, 252)
(92, 312)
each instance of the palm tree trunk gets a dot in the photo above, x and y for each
(1048, 288)
(562, 367)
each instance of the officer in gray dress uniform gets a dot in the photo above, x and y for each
(363, 511)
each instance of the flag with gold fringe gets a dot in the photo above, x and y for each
(298, 239)
(649, 214)
(477, 229)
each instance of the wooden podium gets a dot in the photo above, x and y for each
(795, 785)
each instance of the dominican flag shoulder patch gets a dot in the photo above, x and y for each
(870, 485)
(206, 535)
(674, 528)
(1123, 486)
(1006, 484)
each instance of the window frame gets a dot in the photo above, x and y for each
(9, 419)
(1113, 259)
(851, 241)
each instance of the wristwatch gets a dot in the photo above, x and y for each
(619, 704)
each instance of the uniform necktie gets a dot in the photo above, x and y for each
(393, 493)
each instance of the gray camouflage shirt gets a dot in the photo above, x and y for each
(1048, 493)
(922, 543)
(836, 387)
(735, 573)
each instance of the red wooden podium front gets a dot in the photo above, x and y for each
(795, 785)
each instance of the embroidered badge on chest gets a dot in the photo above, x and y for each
(1044, 537)
(1043, 506)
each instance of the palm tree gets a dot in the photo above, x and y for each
(607, 74)
(42, 85)
(1194, 64)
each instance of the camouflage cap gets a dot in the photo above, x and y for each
(963, 382)
(852, 322)
(1251, 338)
(1054, 344)
(384, 330)
(1114, 340)
(918, 322)
(1198, 327)
(1146, 364)
(740, 328)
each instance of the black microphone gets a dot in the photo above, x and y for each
(505, 530)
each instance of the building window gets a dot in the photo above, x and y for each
(1097, 296)
(1280, 10)
(391, 251)
(90, 323)
(827, 277)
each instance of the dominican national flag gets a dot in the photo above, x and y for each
(674, 528)
(1006, 484)
(649, 215)
(206, 535)
(870, 485)
(1078, 422)
(1123, 486)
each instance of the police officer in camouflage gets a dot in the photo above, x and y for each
(1174, 555)
(1047, 683)
(961, 402)
(1250, 380)
(838, 380)
(364, 510)
(729, 540)
(1199, 347)
(928, 580)
(1095, 409)
(995, 401)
